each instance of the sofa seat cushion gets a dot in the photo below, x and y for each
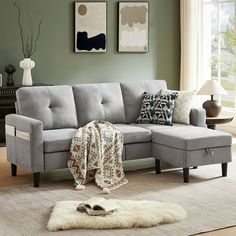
(134, 134)
(57, 140)
(191, 138)
(157, 127)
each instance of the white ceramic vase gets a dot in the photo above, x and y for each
(27, 64)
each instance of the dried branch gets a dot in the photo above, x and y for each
(20, 26)
(31, 32)
(30, 43)
(37, 37)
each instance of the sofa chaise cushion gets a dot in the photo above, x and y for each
(99, 102)
(53, 105)
(156, 127)
(57, 140)
(191, 138)
(134, 134)
(133, 95)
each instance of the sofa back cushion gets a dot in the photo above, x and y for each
(53, 105)
(99, 102)
(133, 95)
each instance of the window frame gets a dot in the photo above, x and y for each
(201, 67)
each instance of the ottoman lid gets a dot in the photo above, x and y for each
(191, 138)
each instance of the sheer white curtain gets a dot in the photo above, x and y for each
(190, 20)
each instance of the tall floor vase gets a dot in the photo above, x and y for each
(27, 64)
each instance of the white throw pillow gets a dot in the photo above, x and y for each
(183, 105)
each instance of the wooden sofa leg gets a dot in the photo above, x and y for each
(36, 177)
(224, 169)
(13, 169)
(158, 166)
(186, 175)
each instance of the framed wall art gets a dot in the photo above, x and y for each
(90, 26)
(133, 26)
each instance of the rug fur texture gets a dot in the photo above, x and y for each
(131, 214)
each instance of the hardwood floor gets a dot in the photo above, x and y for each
(6, 179)
(24, 177)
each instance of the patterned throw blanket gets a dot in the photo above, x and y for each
(95, 153)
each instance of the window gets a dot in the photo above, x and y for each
(218, 46)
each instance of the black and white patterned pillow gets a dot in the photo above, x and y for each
(157, 109)
(164, 108)
(147, 107)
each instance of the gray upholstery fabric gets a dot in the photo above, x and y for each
(201, 157)
(173, 156)
(182, 158)
(191, 138)
(157, 127)
(57, 140)
(28, 154)
(56, 160)
(198, 117)
(123, 153)
(133, 95)
(134, 134)
(16, 107)
(138, 151)
(50, 117)
(53, 105)
(99, 102)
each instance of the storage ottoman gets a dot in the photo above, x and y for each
(191, 147)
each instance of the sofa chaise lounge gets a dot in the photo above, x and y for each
(38, 137)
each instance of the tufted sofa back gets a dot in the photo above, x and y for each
(53, 105)
(72, 107)
(99, 102)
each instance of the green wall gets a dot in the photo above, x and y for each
(56, 62)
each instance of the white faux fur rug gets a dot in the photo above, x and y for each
(130, 214)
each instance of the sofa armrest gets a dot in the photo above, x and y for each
(24, 142)
(24, 123)
(198, 117)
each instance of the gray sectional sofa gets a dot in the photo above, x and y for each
(38, 137)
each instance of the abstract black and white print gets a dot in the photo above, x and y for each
(147, 108)
(157, 109)
(133, 27)
(163, 109)
(90, 27)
